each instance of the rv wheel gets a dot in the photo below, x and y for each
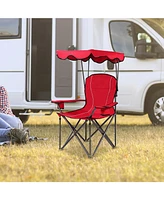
(156, 108)
(23, 118)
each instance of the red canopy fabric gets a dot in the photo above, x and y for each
(98, 56)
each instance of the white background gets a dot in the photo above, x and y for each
(87, 8)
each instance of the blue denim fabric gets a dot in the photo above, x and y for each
(8, 122)
(3, 134)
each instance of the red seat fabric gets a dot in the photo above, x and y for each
(100, 90)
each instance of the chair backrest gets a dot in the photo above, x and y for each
(100, 90)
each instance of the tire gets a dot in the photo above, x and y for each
(23, 118)
(156, 108)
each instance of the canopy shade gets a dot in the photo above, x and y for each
(98, 56)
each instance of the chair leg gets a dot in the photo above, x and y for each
(85, 132)
(104, 135)
(82, 145)
(115, 130)
(90, 142)
(72, 134)
(75, 132)
(59, 132)
(99, 127)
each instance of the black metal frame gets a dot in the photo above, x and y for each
(88, 138)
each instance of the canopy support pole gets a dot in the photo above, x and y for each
(82, 71)
(88, 66)
(117, 70)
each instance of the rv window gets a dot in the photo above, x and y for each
(124, 36)
(121, 37)
(10, 28)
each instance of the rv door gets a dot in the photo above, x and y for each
(47, 76)
(63, 80)
(39, 55)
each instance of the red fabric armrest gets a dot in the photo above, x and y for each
(111, 104)
(107, 106)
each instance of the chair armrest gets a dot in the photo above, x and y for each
(60, 103)
(111, 104)
(106, 106)
(104, 109)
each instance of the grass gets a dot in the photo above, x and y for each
(138, 157)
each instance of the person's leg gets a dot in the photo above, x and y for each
(13, 121)
(20, 124)
(4, 135)
(3, 123)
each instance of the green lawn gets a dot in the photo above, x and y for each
(138, 157)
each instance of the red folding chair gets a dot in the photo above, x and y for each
(100, 103)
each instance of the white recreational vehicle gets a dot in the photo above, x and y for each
(33, 75)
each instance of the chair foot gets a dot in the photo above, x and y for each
(90, 156)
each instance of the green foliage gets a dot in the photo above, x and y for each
(159, 21)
